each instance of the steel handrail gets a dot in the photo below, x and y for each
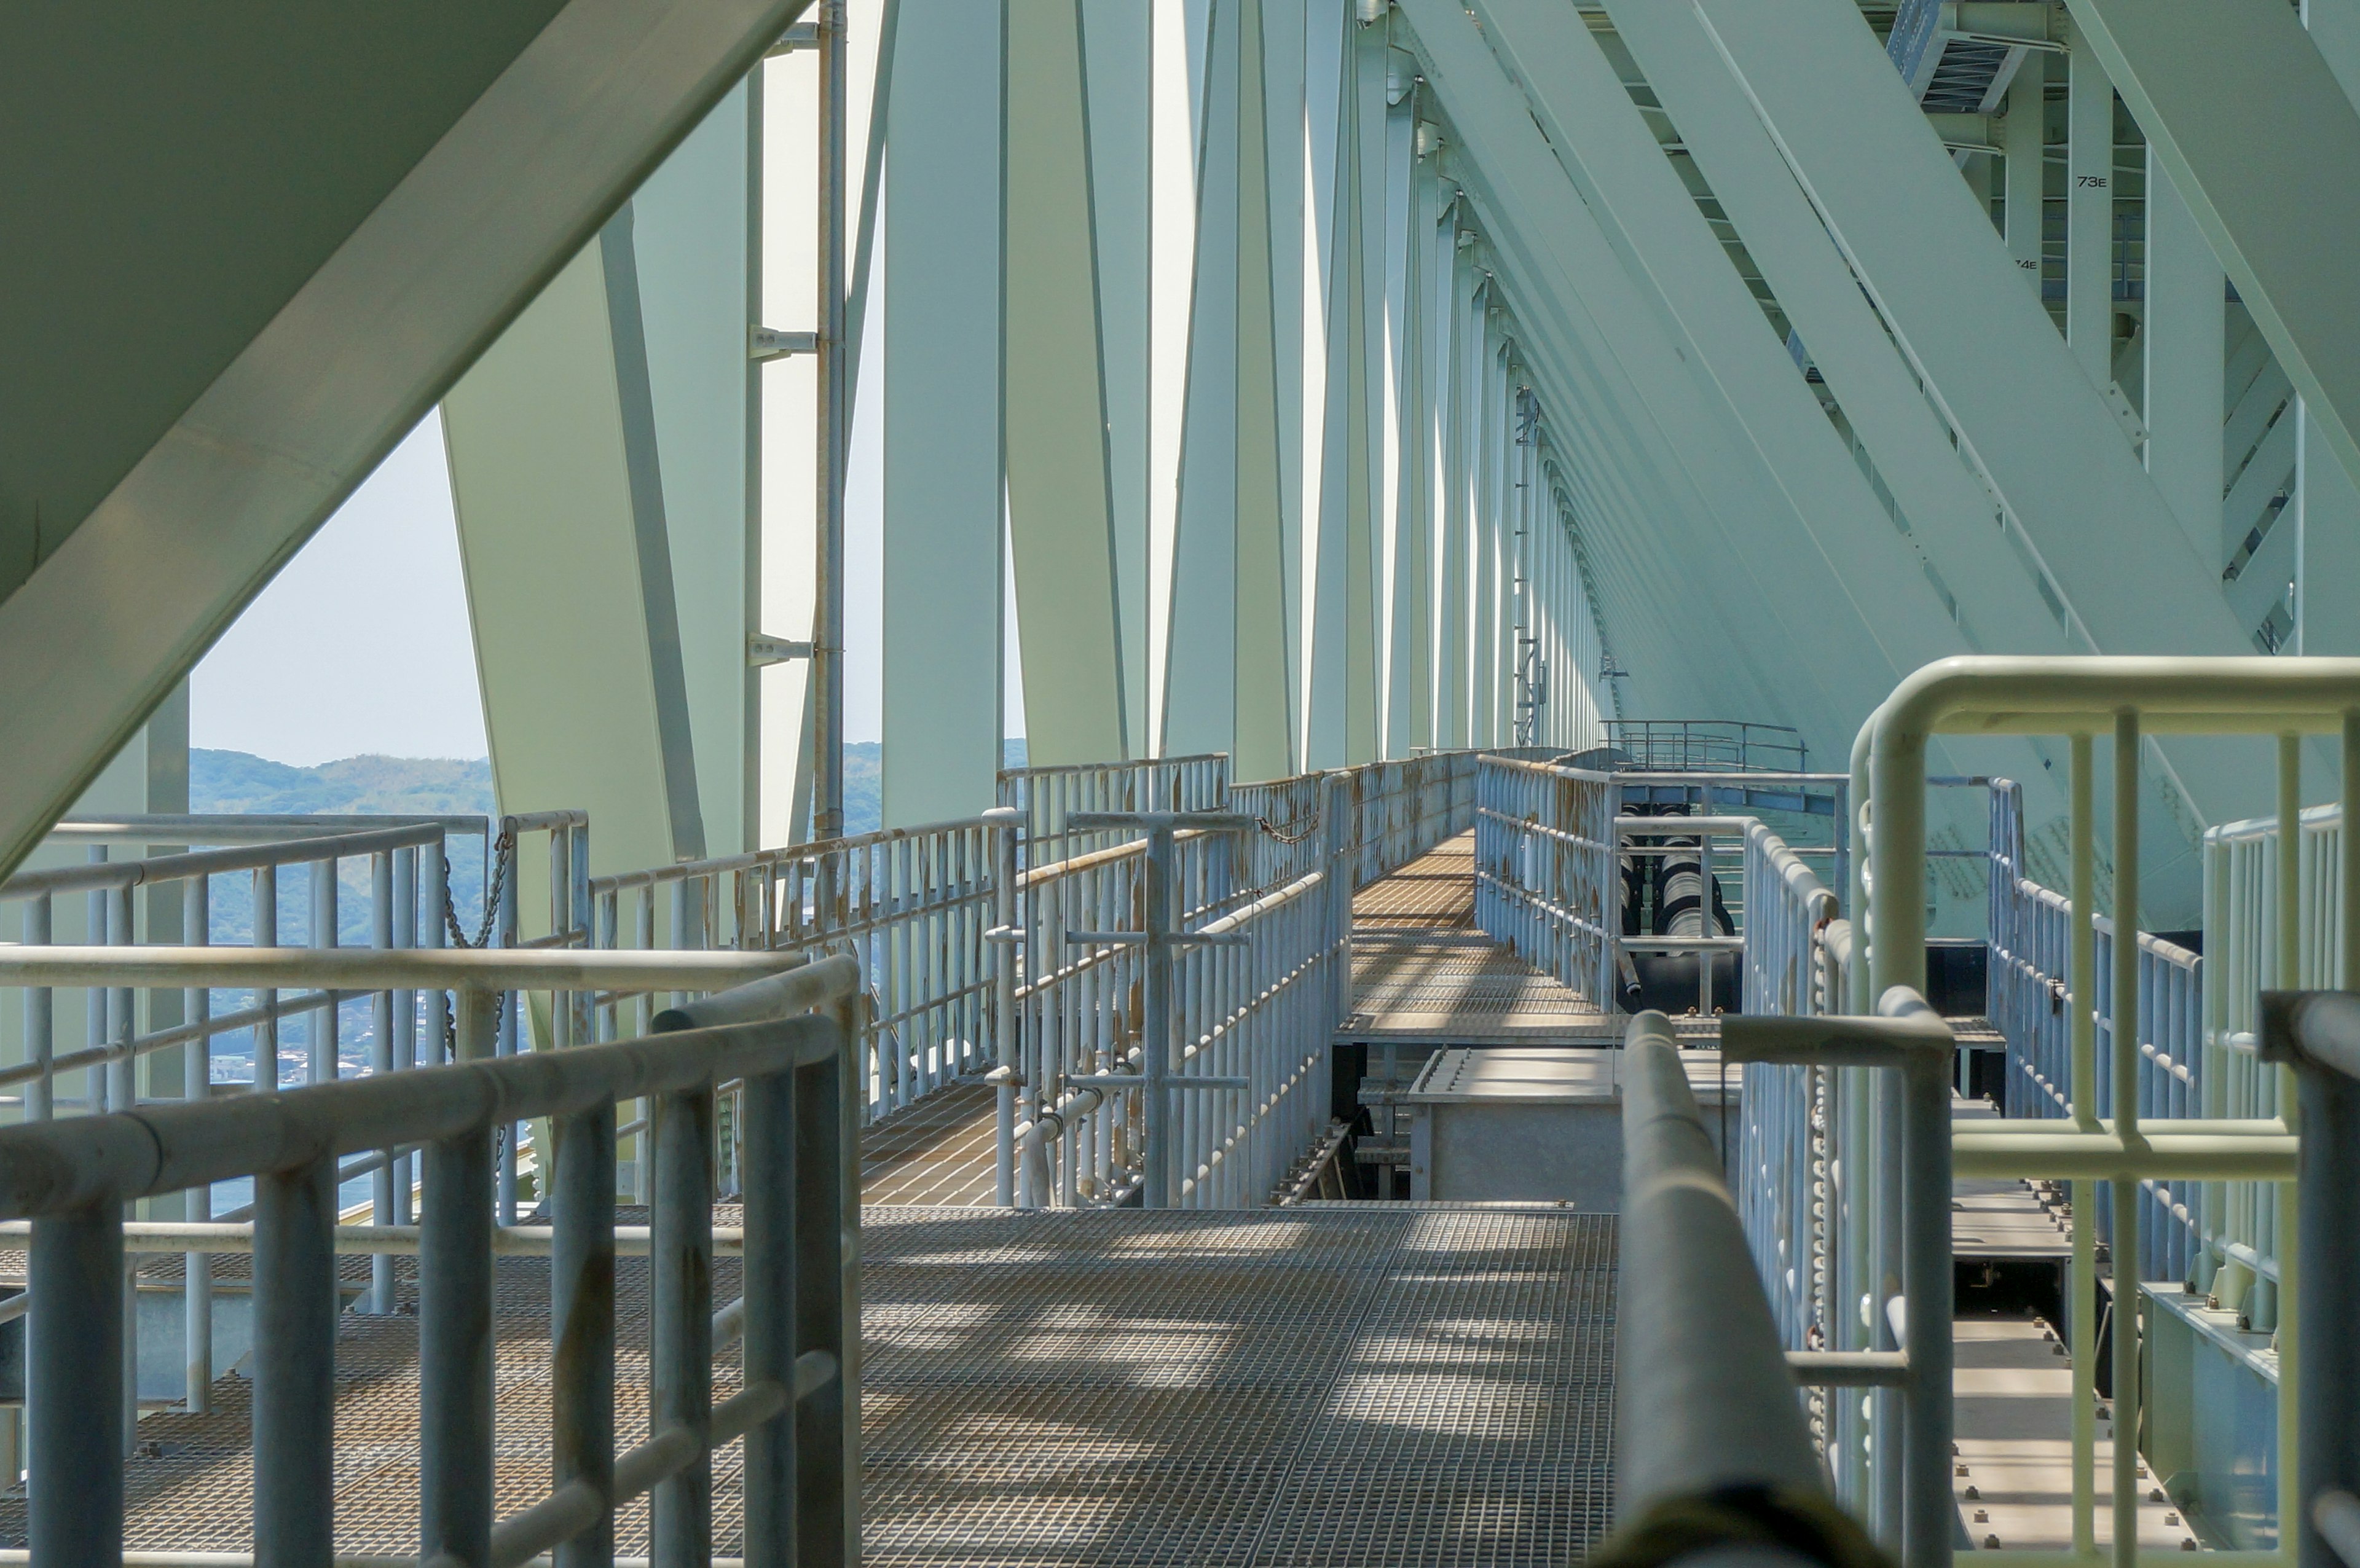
(71, 1179)
(101, 874)
(1704, 1399)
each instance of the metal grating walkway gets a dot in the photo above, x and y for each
(941, 1149)
(1348, 1384)
(1332, 1383)
(1423, 974)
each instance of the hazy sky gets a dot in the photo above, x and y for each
(362, 645)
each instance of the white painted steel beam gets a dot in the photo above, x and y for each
(2025, 413)
(2262, 141)
(556, 481)
(1053, 395)
(942, 414)
(2184, 334)
(1118, 36)
(1950, 516)
(543, 120)
(1767, 563)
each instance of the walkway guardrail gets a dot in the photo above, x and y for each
(1714, 744)
(2126, 699)
(1714, 1456)
(916, 905)
(2314, 1038)
(1249, 907)
(1557, 850)
(2189, 1230)
(411, 905)
(73, 1179)
(1905, 1055)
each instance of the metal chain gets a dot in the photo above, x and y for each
(503, 860)
(1282, 834)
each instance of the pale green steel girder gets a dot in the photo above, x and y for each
(1061, 511)
(1650, 530)
(1407, 218)
(690, 242)
(2025, 135)
(1764, 558)
(943, 420)
(598, 472)
(2326, 501)
(2090, 213)
(562, 536)
(1334, 516)
(1648, 526)
(2185, 349)
(1606, 146)
(1942, 280)
(1638, 489)
(2327, 544)
(1952, 517)
(1117, 69)
(1299, 117)
(1228, 679)
(2263, 142)
(356, 202)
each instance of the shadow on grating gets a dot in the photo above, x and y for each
(1348, 1384)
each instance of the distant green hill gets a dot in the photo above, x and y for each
(864, 804)
(236, 781)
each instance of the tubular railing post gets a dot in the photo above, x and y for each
(381, 1060)
(295, 1309)
(266, 934)
(1336, 847)
(325, 1025)
(123, 1095)
(2313, 1036)
(771, 1323)
(41, 1018)
(1005, 821)
(582, 1323)
(508, 935)
(196, 1087)
(827, 1303)
(681, 1343)
(405, 1009)
(455, 1325)
(1911, 1041)
(73, 1367)
(1155, 1039)
(2124, 1020)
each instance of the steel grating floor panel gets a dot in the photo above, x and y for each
(939, 1149)
(1336, 1383)
(1333, 1383)
(1423, 973)
(189, 1485)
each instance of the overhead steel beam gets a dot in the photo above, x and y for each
(944, 421)
(1605, 144)
(1769, 563)
(322, 291)
(2025, 413)
(2261, 140)
(1061, 512)
(1950, 516)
